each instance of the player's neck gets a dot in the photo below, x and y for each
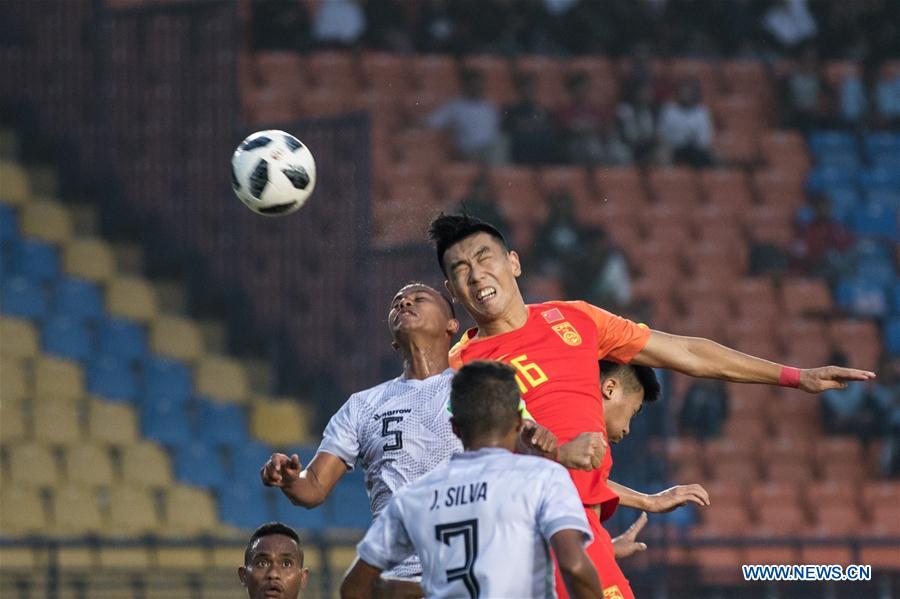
(514, 318)
(507, 442)
(422, 360)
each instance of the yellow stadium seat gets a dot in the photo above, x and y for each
(13, 379)
(132, 511)
(15, 188)
(340, 558)
(222, 378)
(56, 421)
(32, 465)
(17, 558)
(177, 337)
(112, 423)
(76, 558)
(145, 464)
(76, 511)
(89, 466)
(90, 258)
(12, 421)
(279, 422)
(57, 378)
(227, 558)
(183, 558)
(189, 511)
(132, 297)
(21, 511)
(18, 338)
(124, 558)
(47, 220)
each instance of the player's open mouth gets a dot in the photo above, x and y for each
(485, 294)
(274, 590)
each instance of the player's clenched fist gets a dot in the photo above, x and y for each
(537, 439)
(281, 470)
(584, 452)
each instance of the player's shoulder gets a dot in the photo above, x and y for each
(375, 393)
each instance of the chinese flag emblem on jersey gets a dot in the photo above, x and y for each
(568, 333)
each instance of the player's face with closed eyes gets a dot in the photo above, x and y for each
(419, 308)
(275, 569)
(620, 405)
(481, 275)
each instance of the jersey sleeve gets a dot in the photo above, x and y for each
(341, 436)
(387, 541)
(560, 507)
(618, 339)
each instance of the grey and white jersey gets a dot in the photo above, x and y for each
(481, 525)
(398, 431)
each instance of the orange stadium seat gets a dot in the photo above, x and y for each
(805, 296)
(832, 450)
(832, 522)
(787, 449)
(386, 74)
(858, 340)
(336, 71)
(603, 87)
(703, 71)
(518, 194)
(680, 450)
(739, 112)
(784, 150)
(744, 76)
(806, 354)
(882, 492)
(499, 86)
(832, 492)
(454, 179)
(424, 147)
(726, 187)
(436, 74)
(571, 179)
(659, 216)
(621, 184)
(756, 312)
(836, 71)
(780, 187)
(723, 519)
(800, 330)
(275, 67)
(746, 429)
(549, 79)
(674, 185)
(737, 146)
(717, 223)
(781, 520)
(738, 468)
(768, 495)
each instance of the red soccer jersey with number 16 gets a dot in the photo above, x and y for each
(556, 354)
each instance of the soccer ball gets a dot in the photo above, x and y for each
(272, 173)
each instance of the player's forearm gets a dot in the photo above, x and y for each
(305, 491)
(581, 579)
(630, 497)
(360, 581)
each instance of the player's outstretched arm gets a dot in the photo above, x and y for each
(575, 567)
(359, 582)
(626, 544)
(304, 487)
(664, 501)
(700, 357)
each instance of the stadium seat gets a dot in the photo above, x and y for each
(784, 149)
(132, 511)
(133, 298)
(674, 185)
(620, 184)
(781, 520)
(89, 258)
(572, 180)
(244, 506)
(189, 511)
(16, 186)
(876, 220)
(24, 298)
(32, 465)
(165, 377)
(737, 146)
(892, 336)
(771, 495)
(176, 337)
(77, 298)
(48, 221)
(67, 337)
(111, 423)
(805, 296)
(833, 493)
(454, 179)
(221, 423)
(21, 511)
(348, 505)
(123, 338)
(435, 74)
(306, 521)
(222, 378)
(20, 337)
(280, 423)
(603, 89)
(165, 420)
(13, 426)
(549, 78)
(57, 378)
(497, 75)
(862, 297)
(777, 186)
(57, 421)
(386, 74)
(200, 464)
(15, 384)
(145, 464)
(335, 71)
(882, 148)
(76, 511)
(89, 465)
(113, 378)
(879, 178)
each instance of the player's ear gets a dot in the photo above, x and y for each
(304, 577)
(242, 574)
(607, 387)
(513, 258)
(449, 289)
(452, 326)
(395, 345)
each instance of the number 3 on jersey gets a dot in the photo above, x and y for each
(468, 530)
(397, 435)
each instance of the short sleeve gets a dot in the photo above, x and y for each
(560, 507)
(618, 339)
(341, 436)
(387, 542)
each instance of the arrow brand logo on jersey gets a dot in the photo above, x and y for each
(568, 333)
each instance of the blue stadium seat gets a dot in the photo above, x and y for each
(299, 518)
(23, 297)
(875, 220)
(883, 149)
(164, 377)
(122, 337)
(199, 464)
(892, 336)
(824, 140)
(246, 460)
(823, 178)
(221, 423)
(112, 377)
(349, 505)
(844, 200)
(165, 419)
(9, 224)
(36, 260)
(862, 298)
(67, 337)
(883, 197)
(78, 298)
(874, 263)
(245, 506)
(880, 178)
(896, 305)
(839, 158)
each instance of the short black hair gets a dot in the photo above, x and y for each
(429, 287)
(269, 529)
(484, 398)
(634, 377)
(447, 229)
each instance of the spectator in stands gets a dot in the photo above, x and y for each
(474, 122)
(532, 133)
(886, 96)
(339, 23)
(388, 26)
(789, 23)
(805, 93)
(599, 273)
(280, 25)
(686, 127)
(584, 124)
(559, 241)
(481, 202)
(636, 124)
(273, 563)
(704, 409)
(821, 246)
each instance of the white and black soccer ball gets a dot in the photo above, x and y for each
(273, 173)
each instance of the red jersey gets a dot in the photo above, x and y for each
(556, 354)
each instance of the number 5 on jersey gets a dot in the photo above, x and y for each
(397, 435)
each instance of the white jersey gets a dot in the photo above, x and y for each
(481, 525)
(399, 431)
